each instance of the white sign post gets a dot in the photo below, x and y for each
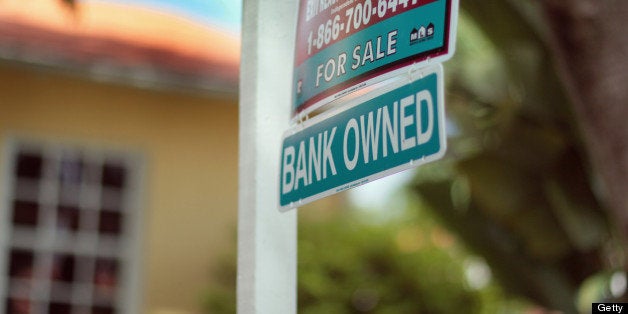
(267, 250)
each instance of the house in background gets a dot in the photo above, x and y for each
(118, 163)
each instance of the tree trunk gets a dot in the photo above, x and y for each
(589, 41)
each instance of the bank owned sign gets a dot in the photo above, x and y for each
(399, 127)
(344, 45)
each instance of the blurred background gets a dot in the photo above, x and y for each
(118, 128)
(118, 168)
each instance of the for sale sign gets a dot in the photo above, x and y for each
(345, 45)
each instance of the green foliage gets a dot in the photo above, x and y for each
(516, 186)
(220, 296)
(349, 267)
(347, 264)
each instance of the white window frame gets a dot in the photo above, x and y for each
(129, 256)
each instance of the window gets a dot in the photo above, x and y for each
(68, 231)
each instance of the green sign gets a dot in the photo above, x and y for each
(399, 127)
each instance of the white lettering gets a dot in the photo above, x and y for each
(330, 69)
(389, 130)
(342, 60)
(314, 160)
(287, 176)
(331, 64)
(368, 52)
(314, 7)
(392, 43)
(424, 97)
(301, 167)
(380, 53)
(402, 125)
(406, 121)
(311, 9)
(356, 57)
(382, 50)
(319, 74)
(371, 136)
(351, 163)
(328, 158)
(616, 308)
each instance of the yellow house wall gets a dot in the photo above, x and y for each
(189, 144)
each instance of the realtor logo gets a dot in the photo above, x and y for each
(421, 34)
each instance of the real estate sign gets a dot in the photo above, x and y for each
(399, 126)
(344, 45)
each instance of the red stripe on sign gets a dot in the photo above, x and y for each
(323, 22)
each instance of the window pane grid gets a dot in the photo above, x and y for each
(69, 222)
